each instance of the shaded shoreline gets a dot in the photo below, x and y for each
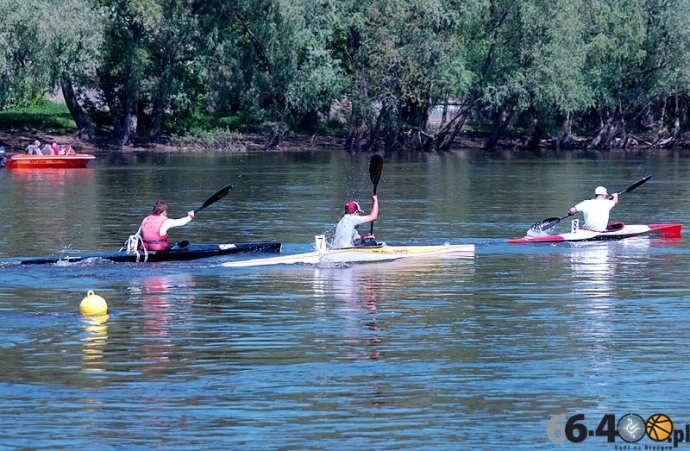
(16, 141)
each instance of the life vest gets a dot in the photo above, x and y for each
(150, 233)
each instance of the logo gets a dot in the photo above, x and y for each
(630, 428)
(659, 427)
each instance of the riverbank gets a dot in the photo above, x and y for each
(16, 141)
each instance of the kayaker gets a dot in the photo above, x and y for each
(596, 211)
(346, 232)
(154, 228)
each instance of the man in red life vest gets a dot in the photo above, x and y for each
(154, 228)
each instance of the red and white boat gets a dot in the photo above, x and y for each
(19, 160)
(616, 231)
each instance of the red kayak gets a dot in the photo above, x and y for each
(616, 231)
(18, 160)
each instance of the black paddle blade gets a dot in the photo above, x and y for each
(375, 169)
(544, 224)
(218, 195)
(635, 185)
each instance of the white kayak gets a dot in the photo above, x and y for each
(617, 231)
(378, 252)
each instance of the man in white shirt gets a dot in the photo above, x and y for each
(596, 211)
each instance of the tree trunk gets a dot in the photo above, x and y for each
(501, 123)
(443, 138)
(446, 134)
(607, 133)
(158, 105)
(110, 100)
(448, 141)
(676, 120)
(277, 136)
(663, 130)
(84, 126)
(430, 99)
(565, 139)
(538, 133)
(371, 144)
(129, 125)
(664, 138)
(355, 130)
(444, 114)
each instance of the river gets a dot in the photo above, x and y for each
(533, 347)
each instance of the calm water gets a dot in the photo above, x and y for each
(438, 354)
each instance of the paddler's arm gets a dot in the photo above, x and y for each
(371, 217)
(374, 211)
(614, 198)
(170, 223)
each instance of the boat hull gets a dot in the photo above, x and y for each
(182, 251)
(18, 161)
(621, 232)
(364, 254)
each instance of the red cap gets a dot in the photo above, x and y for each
(352, 207)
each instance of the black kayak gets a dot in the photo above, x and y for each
(181, 251)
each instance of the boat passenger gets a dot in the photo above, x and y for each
(596, 211)
(34, 149)
(346, 232)
(54, 149)
(154, 228)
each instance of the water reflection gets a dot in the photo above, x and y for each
(593, 269)
(166, 304)
(355, 292)
(94, 341)
(54, 176)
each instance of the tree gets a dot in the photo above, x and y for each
(276, 64)
(74, 51)
(121, 75)
(46, 46)
(402, 59)
(664, 97)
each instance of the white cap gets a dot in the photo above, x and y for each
(600, 190)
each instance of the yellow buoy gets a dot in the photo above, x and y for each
(93, 304)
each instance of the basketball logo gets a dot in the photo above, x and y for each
(659, 427)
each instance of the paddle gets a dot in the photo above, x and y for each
(375, 169)
(218, 195)
(549, 223)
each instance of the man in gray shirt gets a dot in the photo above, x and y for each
(34, 149)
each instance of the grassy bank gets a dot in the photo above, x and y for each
(48, 116)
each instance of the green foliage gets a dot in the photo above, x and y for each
(217, 139)
(194, 69)
(39, 41)
(41, 115)
(207, 122)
